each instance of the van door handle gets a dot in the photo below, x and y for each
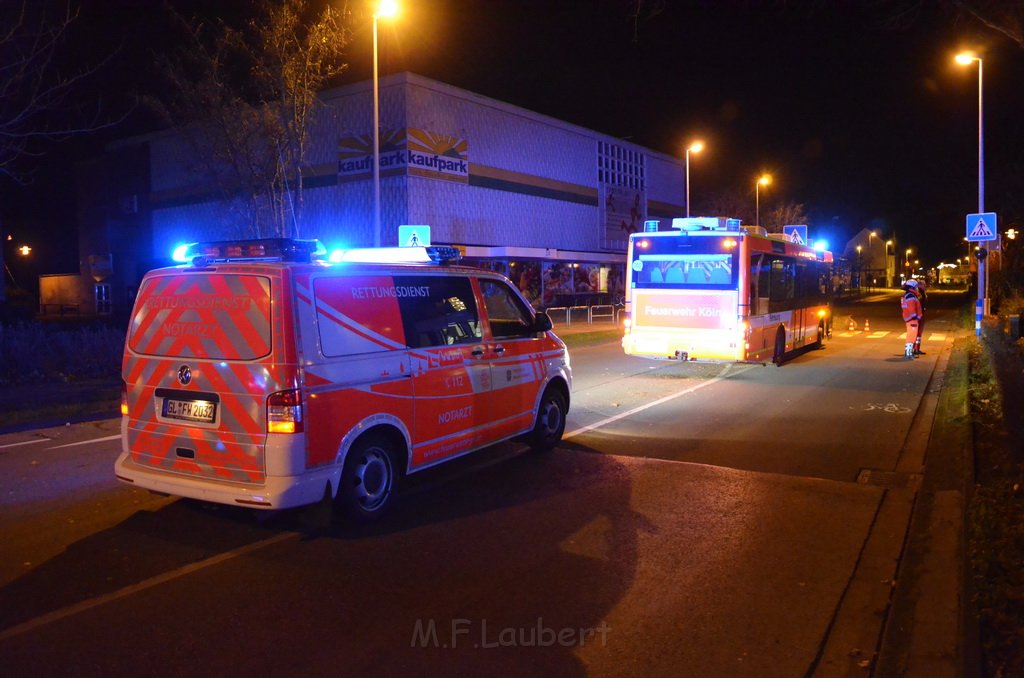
(499, 349)
(478, 352)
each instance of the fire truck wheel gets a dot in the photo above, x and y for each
(369, 478)
(780, 346)
(550, 421)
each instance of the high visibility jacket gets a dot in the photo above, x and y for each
(911, 306)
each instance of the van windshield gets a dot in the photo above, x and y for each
(202, 315)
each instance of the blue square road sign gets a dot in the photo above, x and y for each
(982, 227)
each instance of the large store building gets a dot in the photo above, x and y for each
(545, 202)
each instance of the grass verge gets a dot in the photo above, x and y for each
(995, 517)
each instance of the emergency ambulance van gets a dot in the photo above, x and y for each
(262, 374)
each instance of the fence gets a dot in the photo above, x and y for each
(589, 314)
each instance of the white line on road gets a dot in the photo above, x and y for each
(26, 442)
(71, 610)
(654, 403)
(86, 442)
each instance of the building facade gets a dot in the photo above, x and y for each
(547, 203)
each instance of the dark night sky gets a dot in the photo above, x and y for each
(864, 121)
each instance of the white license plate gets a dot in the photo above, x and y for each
(190, 410)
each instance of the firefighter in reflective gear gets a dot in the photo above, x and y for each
(922, 296)
(912, 314)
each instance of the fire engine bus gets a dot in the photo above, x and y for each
(710, 289)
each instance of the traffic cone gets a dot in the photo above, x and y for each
(867, 325)
(853, 325)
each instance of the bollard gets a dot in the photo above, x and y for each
(867, 325)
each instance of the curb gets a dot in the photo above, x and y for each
(928, 629)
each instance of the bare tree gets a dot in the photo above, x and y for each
(1000, 16)
(786, 214)
(38, 101)
(244, 97)
(727, 203)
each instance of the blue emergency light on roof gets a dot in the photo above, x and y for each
(267, 249)
(434, 254)
(706, 224)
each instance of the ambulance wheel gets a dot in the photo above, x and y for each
(780, 346)
(550, 421)
(369, 479)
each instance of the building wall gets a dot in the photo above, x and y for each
(532, 181)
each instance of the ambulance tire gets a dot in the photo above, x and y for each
(369, 479)
(780, 347)
(550, 424)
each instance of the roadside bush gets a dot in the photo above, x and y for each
(34, 352)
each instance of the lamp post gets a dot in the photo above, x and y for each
(763, 180)
(860, 268)
(888, 280)
(695, 147)
(965, 59)
(385, 10)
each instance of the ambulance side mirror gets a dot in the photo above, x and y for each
(541, 322)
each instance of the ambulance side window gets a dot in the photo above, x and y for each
(506, 312)
(437, 310)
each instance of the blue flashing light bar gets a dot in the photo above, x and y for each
(285, 249)
(435, 254)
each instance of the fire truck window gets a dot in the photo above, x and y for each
(441, 312)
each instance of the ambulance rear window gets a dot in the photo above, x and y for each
(206, 315)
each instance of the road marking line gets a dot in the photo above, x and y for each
(72, 610)
(653, 403)
(86, 442)
(26, 442)
(879, 334)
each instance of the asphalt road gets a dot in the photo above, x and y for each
(698, 520)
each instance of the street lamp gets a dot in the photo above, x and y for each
(965, 59)
(695, 147)
(385, 10)
(763, 180)
(890, 243)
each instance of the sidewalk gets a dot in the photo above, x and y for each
(931, 630)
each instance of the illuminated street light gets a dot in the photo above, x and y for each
(763, 180)
(24, 250)
(385, 10)
(965, 59)
(695, 147)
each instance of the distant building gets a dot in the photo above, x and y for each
(548, 203)
(871, 260)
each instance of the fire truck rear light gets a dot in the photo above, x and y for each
(284, 412)
(124, 399)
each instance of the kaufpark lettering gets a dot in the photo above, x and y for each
(403, 158)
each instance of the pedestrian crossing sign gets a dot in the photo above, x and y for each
(413, 236)
(981, 227)
(796, 233)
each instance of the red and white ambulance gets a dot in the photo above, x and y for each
(261, 374)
